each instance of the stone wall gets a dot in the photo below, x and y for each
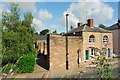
(98, 41)
(42, 46)
(57, 47)
(119, 42)
(115, 41)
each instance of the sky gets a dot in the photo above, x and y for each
(51, 15)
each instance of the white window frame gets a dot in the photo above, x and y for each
(91, 39)
(93, 52)
(105, 39)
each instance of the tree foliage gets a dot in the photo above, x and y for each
(45, 31)
(18, 35)
(102, 26)
(55, 31)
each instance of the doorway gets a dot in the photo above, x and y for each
(87, 54)
(108, 53)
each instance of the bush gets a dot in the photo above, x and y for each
(7, 67)
(10, 58)
(26, 63)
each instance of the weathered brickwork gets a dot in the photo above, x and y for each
(55, 49)
(58, 52)
(42, 46)
(98, 42)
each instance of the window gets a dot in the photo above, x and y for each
(105, 39)
(91, 39)
(93, 52)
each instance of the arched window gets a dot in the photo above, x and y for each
(91, 39)
(105, 39)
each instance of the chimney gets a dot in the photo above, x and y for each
(80, 24)
(90, 22)
(71, 27)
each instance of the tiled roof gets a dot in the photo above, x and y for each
(86, 28)
(114, 26)
(42, 37)
(77, 29)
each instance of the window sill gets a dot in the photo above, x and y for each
(91, 43)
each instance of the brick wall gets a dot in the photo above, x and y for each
(58, 51)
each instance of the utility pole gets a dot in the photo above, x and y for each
(67, 41)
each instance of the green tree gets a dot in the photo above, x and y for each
(55, 31)
(45, 31)
(18, 36)
(102, 26)
(10, 19)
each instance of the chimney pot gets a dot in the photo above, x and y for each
(80, 24)
(90, 22)
(71, 27)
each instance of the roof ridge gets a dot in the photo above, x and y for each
(103, 29)
(84, 27)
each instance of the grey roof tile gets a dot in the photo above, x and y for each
(42, 37)
(86, 28)
(114, 26)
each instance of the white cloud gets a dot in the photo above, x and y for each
(22, 0)
(53, 27)
(4, 7)
(27, 6)
(92, 0)
(38, 24)
(44, 15)
(72, 20)
(99, 11)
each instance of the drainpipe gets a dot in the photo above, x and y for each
(67, 41)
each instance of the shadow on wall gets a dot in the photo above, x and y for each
(43, 61)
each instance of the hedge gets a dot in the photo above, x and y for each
(27, 63)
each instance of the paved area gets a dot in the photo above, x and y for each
(42, 73)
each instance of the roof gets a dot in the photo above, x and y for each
(42, 37)
(114, 26)
(86, 28)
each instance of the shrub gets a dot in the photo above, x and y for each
(7, 67)
(26, 63)
(103, 66)
(10, 58)
(8, 72)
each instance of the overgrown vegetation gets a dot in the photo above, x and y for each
(26, 63)
(103, 66)
(18, 36)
